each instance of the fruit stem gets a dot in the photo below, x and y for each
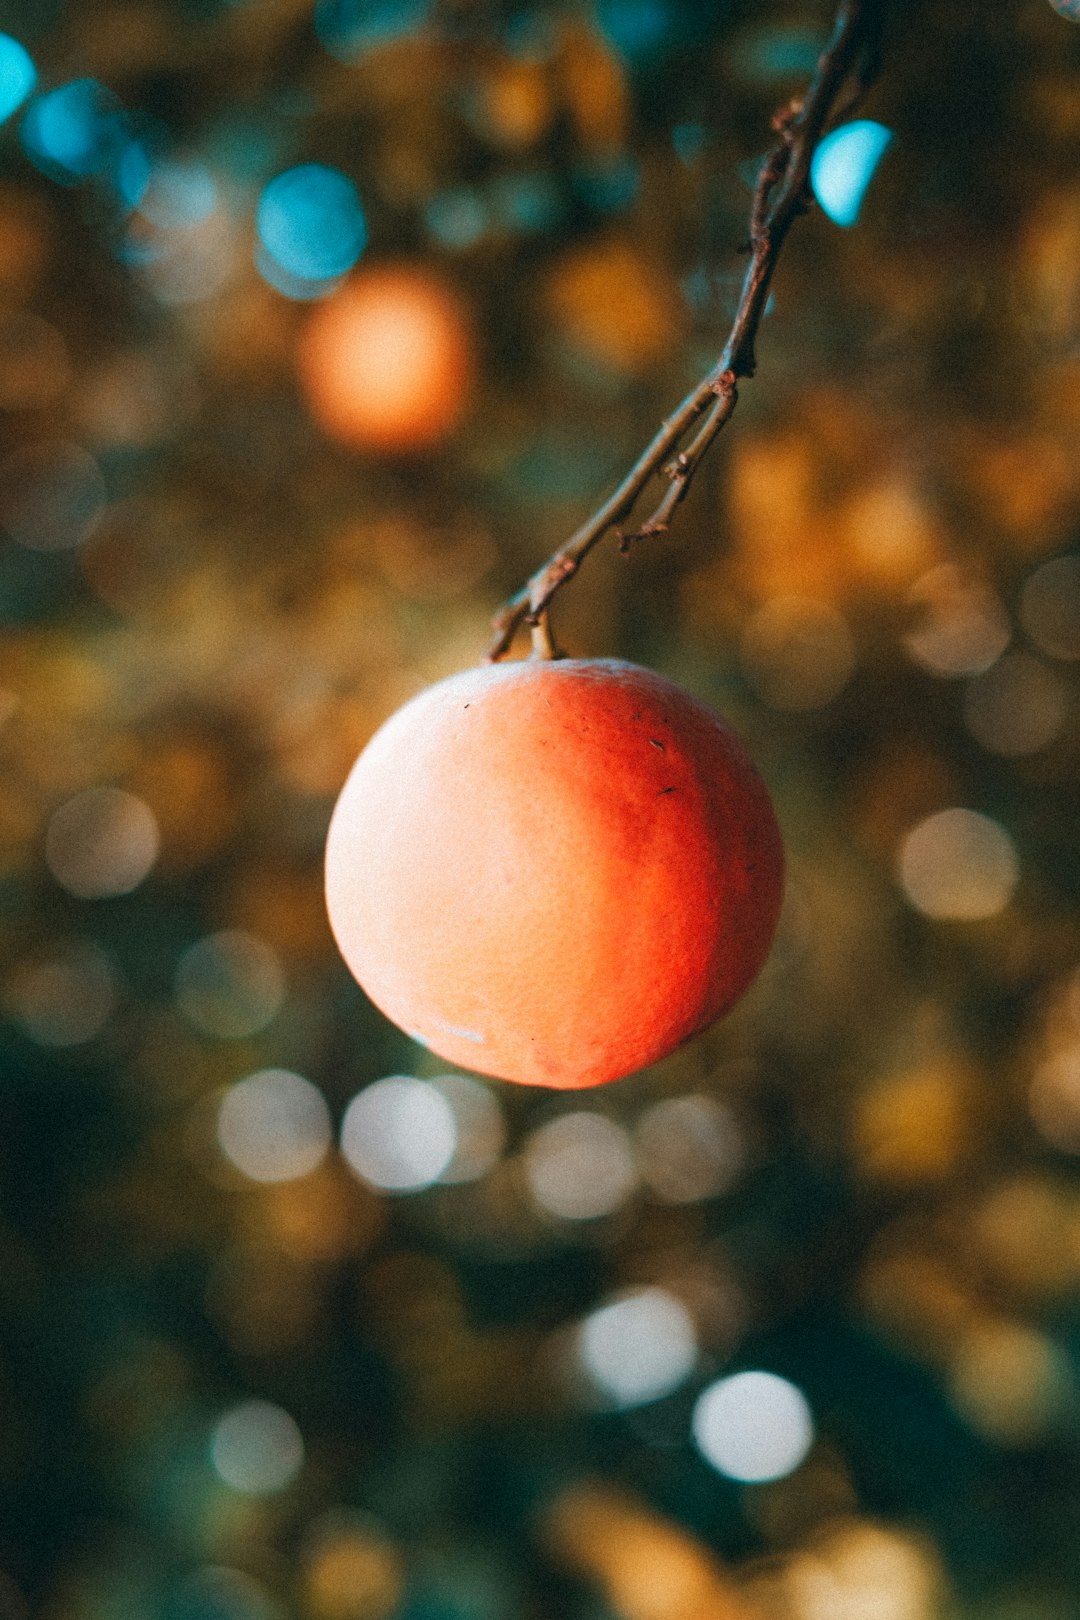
(543, 642)
(782, 193)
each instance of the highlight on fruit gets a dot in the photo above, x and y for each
(554, 871)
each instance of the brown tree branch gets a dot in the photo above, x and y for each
(780, 194)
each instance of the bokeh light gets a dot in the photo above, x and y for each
(1011, 1381)
(352, 1571)
(639, 1346)
(1050, 607)
(351, 28)
(526, 202)
(961, 626)
(131, 175)
(753, 1426)
(609, 185)
(386, 363)
(853, 1569)
(64, 998)
(299, 289)
(102, 842)
(1054, 1098)
(230, 985)
(797, 653)
(479, 1127)
(844, 165)
(958, 866)
(399, 1134)
(52, 496)
(634, 26)
(1017, 707)
(1025, 1236)
(914, 1126)
(18, 75)
(184, 266)
(580, 1166)
(611, 305)
(311, 224)
(256, 1448)
(689, 141)
(274, 1125)
(75, 131)
(764, 54)
(646, 1564)
(176, 195)
(689, 1148)
(457, 218)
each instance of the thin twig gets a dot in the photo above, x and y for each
(780, 194)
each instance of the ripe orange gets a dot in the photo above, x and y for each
(385, 364)
(554, 871)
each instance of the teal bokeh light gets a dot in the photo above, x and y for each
(350, 28)
(18, 75)
(75, 131)
(782, 51)
(457, 218)
(634, 27)
(310, 223)
(844, 165)
(178, 195)
(608, 187)
(527, 203)
(301, 289)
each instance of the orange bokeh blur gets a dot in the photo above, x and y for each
(386, 364)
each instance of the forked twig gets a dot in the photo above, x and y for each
(780, 194)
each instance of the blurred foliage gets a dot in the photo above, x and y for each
(232, 1398)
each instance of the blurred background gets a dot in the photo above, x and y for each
(320, 326)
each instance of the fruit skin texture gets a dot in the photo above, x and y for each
(554, 871)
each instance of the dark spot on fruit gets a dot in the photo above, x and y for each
(665, 790)
(657, 744)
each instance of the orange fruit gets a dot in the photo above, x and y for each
(385, 363)
(554, 871)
